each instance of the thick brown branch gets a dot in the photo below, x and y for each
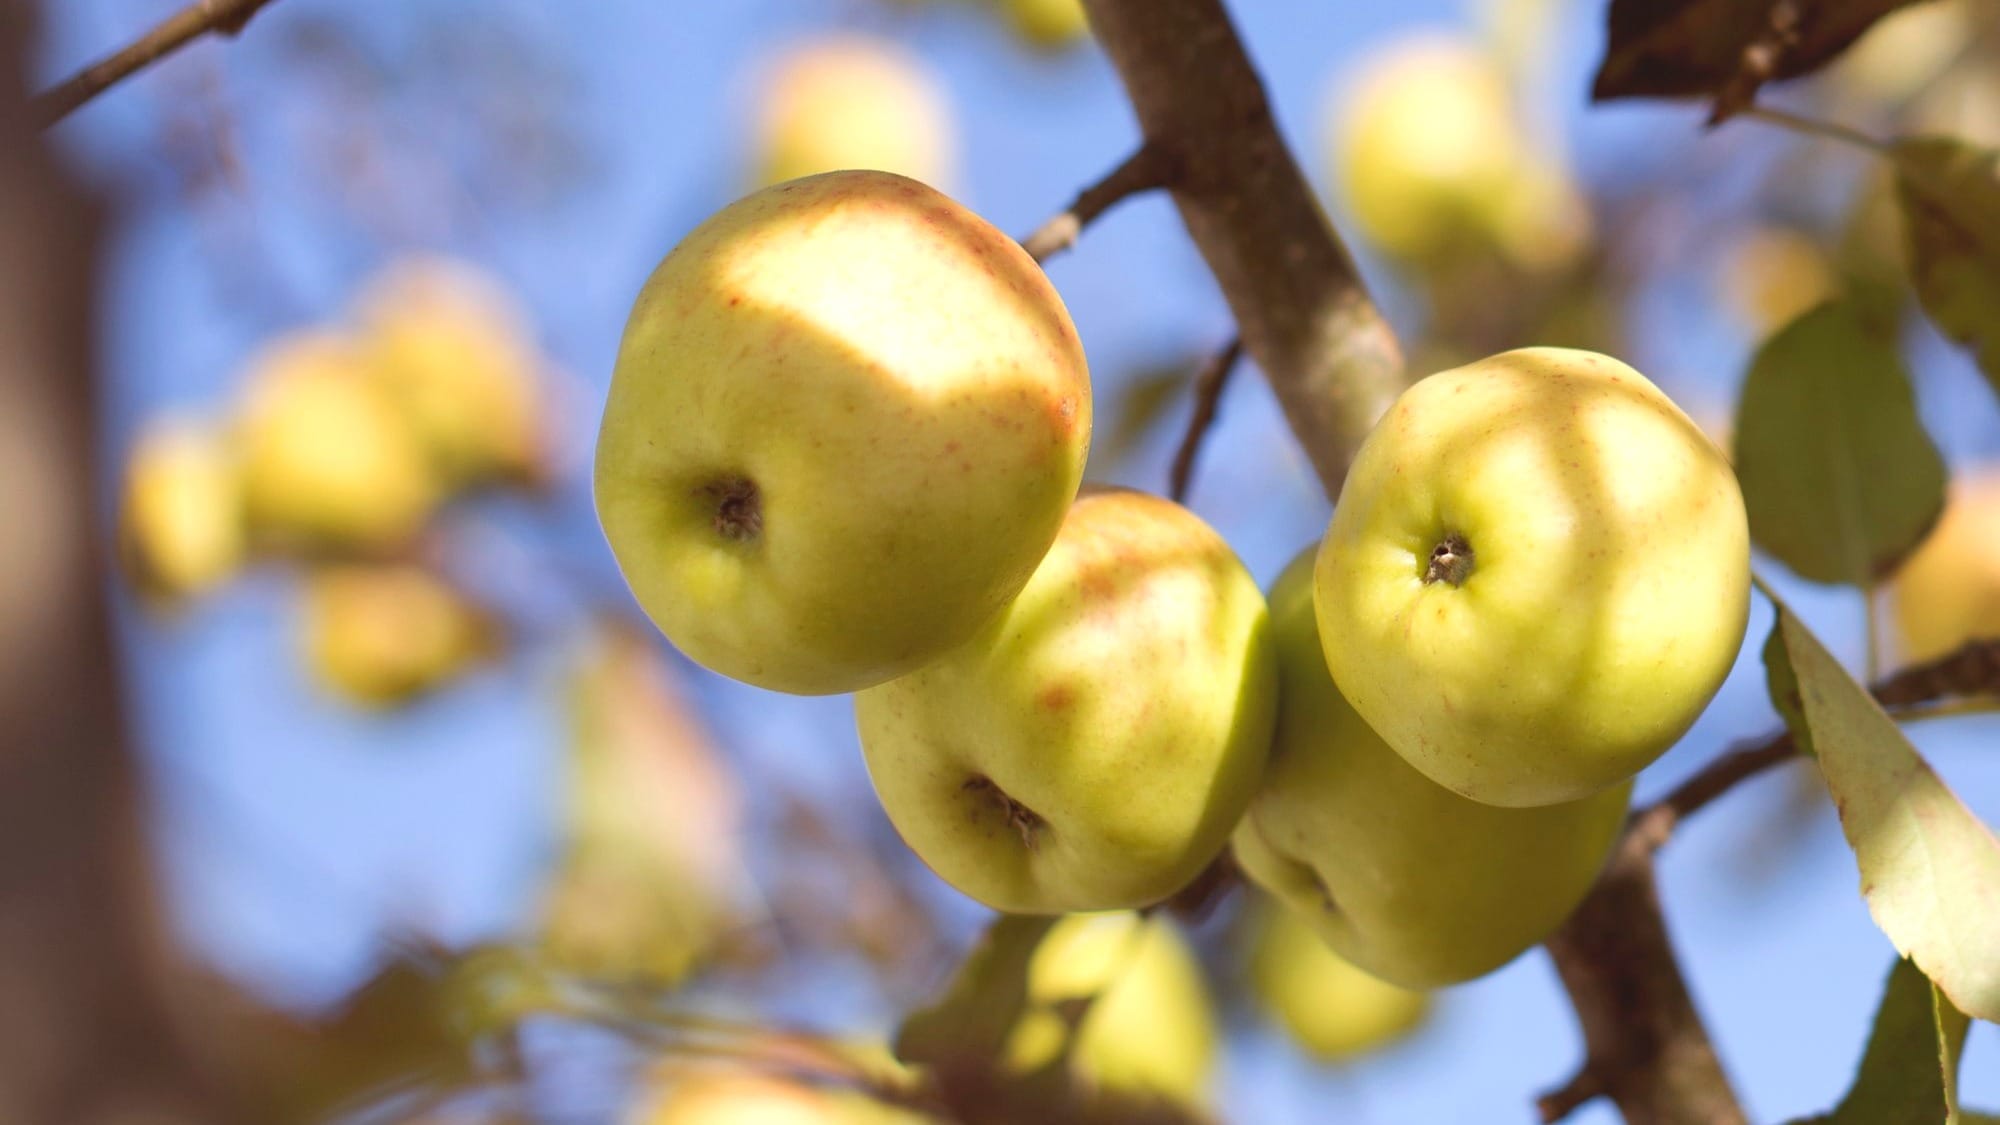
(1208, 386)
(1145, 170)
(1299, 303)
(203, 17)
(1647, 1050)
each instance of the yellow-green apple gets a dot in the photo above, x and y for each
(1771, 273)
(846, 419)
(1537, 576)
(379, 635)
(1948, 591)
(1093, 745)
(451, 349)
(1430, 155)
(851, 101)
(181, 524)
(1401, 876)
(1331, 1008)
(1150, 1029)
(328, 461)
(1048, 25)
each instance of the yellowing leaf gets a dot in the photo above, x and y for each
(1839, 478)
(1950, 193)
(1930, 870)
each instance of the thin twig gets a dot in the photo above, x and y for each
(1208, 386)
(203, 17)
(1145, 170)
(1809, 126)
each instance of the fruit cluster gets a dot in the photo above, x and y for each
(842, 453)
(346, 442)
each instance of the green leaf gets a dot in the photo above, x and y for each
(1900, 1081)
(1949, 1026)
(1724, 49)
(1950, 193)
(1929, 869)
(1839, 478)
(1783, 685)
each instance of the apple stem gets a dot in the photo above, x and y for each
(1451, 561)
(739, 513)
(1019, 817)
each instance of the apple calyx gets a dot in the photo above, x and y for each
(1451, 561)
(739, 510)
(1018, 816)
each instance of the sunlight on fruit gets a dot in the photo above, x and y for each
(1151, 1029)
(1770, 274)
(688, 1094)
(1948, 591)
(852, 102)
(382, 635)
(181, 526)
(450, 348)
(1331, 1009)
(328, 460)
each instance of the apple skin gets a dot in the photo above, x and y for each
(1948, 591)
(846, 419)
(1330, 1007)
(1150, 1031)
(1399, 875)
(851, 101)
(1608, 586)
(1093, 746)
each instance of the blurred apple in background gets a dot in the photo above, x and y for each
(1427, 150)
(328, 461)
(452, 350)
(1331, 1008)
(1149, 1032)
(689, 1094)
(852, 102)
(181, 524)
(381, 635)
(1048, 25)
(1772, 273)
(1901, 53)
(1948, 591)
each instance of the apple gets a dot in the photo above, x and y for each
(1948, 591)
(852, 102)
(845, 422)
(181, 525)
(1537, 576)
(451, 350)
(1150, 1029)
(1402, 877)
(1048, 25)
(1092, 747)
(1428, 153)
(328, 461)
(379, 635)
(1772, 273)
(1331, 1008)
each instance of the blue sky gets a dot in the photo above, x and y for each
(295, 829)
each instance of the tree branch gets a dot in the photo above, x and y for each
(1304, 315)
(1145, 170)
(203, 17)
(1209, 383)
(1646, 1047)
